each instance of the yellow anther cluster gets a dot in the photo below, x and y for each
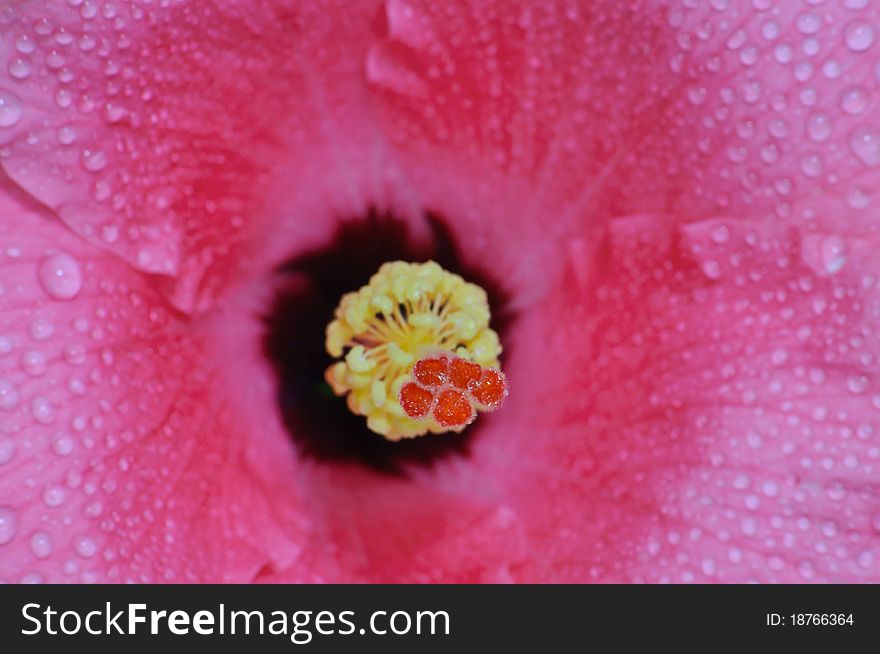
(380, 331)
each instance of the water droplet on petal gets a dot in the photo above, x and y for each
(25, 44)
(859, 36)
(85, 546)
(66, 135)
(711, 269)
(54, 496)
(782, 53)
(34, 363)
(857, 198)
(63, 444)
(94, 160)
(865, 144)
(819, 127)
(42, 329)
(7, 450)
(720, 234)
(857, 384)
(812, 165)
(19, 68)
(853, 100)
(10, 108)
(60, 276)
(808, 23)
(8, 524)
(833, 252)
(8, 395)
(42, 410)
(697, 95)
(41, 544)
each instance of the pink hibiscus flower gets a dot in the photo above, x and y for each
(676, 201)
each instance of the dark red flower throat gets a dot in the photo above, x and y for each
(310, 287)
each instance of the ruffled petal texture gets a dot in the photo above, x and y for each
(716, 420)
(694, 183)
(567, 113)
(166, 133)
(676, 196)
(118, 461)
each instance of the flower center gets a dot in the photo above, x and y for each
(306, 291)
(417, 353)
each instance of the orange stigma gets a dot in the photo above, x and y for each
(450, 390)
(402, 341)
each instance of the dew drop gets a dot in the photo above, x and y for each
(63, 98)
(782, 53)
(865, 144)
(94, 160)
(62, 444)
(42, 410)
(809, 23)
(708, 567)
(34, 363)
(41, 544)
(25, 44)
(857, 198)
(75, 354)
(857, 384)
(19, 68)
(831, 69)
(859, 36)
(853, 100)
(711, 269)
(776, 563)
(749, 56)
(42, 329)
(7, 450)
(8, 524)
(10, 108)
(779, 356)
(770, 488)
(812, 165)
(810, 46)
(54, 496)
(697, 95)
(778, 128)
(748, 526)
(720, 234)
(8, 395)
(60, 276)
(833, 254)
(770, 30)
(85, 546)
(818, 127)
(66, 135)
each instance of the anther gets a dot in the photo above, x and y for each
(412, 346)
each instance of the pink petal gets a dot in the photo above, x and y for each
(686, 433)
(119, 460)
(703, 406)
(541, 117)
(671, 446)
(369, 527)
(170, 135)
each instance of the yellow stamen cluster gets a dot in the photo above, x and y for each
(381, 330)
